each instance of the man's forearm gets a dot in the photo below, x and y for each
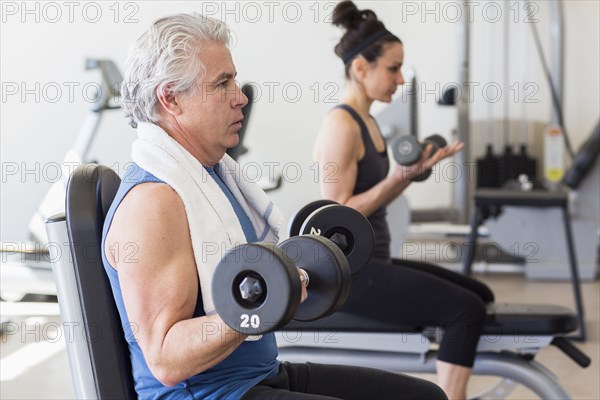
(192, 346)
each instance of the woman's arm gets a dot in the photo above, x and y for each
(337, 152)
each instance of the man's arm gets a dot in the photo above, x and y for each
(150, 246)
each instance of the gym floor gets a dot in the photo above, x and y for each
(34, 361)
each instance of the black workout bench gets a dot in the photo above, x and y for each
(488, 202)
(512, 335)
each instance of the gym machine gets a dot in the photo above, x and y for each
(26, 268)
(514, 170)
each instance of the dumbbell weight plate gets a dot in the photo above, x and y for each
(437, 140)
(298, 219)
(406, 149)
(351, 224)
(422, 177)
(328, 271)
(281, 288)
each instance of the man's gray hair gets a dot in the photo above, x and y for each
(166, 55)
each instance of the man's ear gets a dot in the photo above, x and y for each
(168, 101)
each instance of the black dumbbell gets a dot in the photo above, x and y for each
(344, 226)
(256, 287)
(407, 150)
(298, 219)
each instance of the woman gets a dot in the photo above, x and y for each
(399, 291)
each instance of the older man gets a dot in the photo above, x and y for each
(181, 195)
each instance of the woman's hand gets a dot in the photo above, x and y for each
(406, 173)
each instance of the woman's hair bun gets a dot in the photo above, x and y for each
(348, 16)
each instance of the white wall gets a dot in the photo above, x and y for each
(44, 48)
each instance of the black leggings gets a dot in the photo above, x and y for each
(462, 310)
(415, 294)
(317, 381)
(477, 287)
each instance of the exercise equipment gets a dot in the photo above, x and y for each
(520, 216)
(584, 160)
(96, 346)
(407, 151)
(513, 335)
(401, 116)
(328, 280)
(486, 199)
(239, 150)
(487, 166)
(537, 210)
(449, 96)
(555, 84)
(507, 162)
(487, 169)
(344, 226)
(107, 99)
(526, 165)
(463, 191)
(301, 215)
(100, 368)
(256, 287)
(28, 268)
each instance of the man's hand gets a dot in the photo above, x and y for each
(304, 284)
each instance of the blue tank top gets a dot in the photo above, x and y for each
(249, 364)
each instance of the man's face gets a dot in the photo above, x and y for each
(212, 117)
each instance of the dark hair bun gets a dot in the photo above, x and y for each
(348, 16)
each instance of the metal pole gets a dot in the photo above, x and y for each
(557, 53)
(462, 188)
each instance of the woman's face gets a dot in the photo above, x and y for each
(383, 76)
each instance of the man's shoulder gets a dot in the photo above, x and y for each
(155, 191)
(150, 201)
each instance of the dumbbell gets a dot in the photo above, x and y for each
(344, 226)
(256, 287)
(407, 150)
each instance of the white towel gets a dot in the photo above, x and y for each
(214, 226)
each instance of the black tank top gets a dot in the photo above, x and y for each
(372, 169)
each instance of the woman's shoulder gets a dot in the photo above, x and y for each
(339, 134)
(340, 122)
